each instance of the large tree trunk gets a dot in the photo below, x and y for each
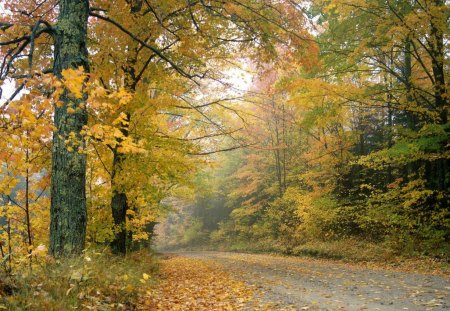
(68, 194)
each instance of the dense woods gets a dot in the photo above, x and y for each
(299, 127)
(351, 150)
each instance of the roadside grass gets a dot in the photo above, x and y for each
(94, 281)
(375, 256)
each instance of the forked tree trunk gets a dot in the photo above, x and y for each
(68, 194)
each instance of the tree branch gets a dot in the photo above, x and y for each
(221, 150)
(155, 50)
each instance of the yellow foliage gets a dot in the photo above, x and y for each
(73, 80)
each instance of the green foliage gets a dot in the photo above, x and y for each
(428, 144)
(410, 216)
(194, 234)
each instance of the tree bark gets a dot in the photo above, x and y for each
(119, 207)
(438, 66)
(68, 193)
(119, 201)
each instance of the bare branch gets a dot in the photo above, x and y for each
(201, 137)
(221, 150)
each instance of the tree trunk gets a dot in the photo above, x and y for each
(438, 66)
(27, 208)
(276, 148)
(119, 207)
(285, 146)
(68, 193)
(407, 75)
(119, 202)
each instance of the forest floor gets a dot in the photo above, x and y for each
(237, 281)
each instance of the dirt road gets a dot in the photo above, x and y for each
(302, 284)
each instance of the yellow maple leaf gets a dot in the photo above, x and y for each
(73, 80)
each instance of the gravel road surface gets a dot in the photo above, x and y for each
(289, 283)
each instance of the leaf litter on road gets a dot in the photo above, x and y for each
(192, 284)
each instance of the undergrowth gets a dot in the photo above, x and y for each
(94, 281)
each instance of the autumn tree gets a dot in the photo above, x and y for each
(147, 60)
(25, 175)
(27, 32)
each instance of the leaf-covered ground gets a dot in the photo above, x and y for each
(209, 281)
(192, 284)
(230, 281)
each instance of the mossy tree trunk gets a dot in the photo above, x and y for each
(68, 194)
